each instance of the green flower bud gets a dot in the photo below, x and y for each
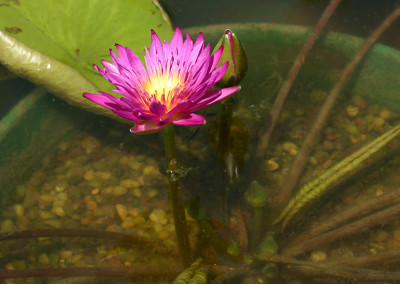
(234, 54)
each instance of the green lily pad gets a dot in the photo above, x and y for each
(56, 43)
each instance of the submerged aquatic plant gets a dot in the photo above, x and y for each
(175, 83)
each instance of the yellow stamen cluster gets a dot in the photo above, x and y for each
(162, 84)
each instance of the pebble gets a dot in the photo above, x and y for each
(291, 148)
(119, 190)
(150, 170)
(75, 175)
(152, 192)
(7, 225)
(53, 223)
(351, 129)
(89, 175)
(19, 210)
(318, 256)
(134, 212)
(385, 114)
(46, 215)
(91, 205)
(377, 124)
(139, 220)
(86, 220)
(352, 111)
(137, 192)
(128, 223)
(396, 234)
(60, 187)
(104, 175)
(43, 258)
(65, 254)
(90, 144)
(158, 216)
(76, 258)
(122, 211)
(129, 183)
(46, 198)
(59, 211)
(135, 165)
(163, 235)
(271, 165)
(379, 192)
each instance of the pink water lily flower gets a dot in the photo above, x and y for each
(176, 82)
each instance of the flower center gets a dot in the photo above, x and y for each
(160, 85)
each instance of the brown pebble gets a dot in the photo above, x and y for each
(89, 175)
(396, 235)
(122, 211)
(271, 165)
(91, 205)
(86, 220)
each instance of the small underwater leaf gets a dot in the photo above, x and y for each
(76, 33)
(320, 185)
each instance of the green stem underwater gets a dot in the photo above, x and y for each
(177, 208)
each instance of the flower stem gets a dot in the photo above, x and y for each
(177, 208)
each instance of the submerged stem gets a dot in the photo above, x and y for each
(177, 208)
(133, 271)
(365, 207)
(347, 230)
(337, 271)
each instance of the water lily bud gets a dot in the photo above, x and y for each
(234, 54)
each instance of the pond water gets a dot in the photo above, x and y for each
(82, 194)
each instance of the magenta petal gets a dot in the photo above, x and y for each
(100, 100)
(177, 40)
(110, 66)
(147, 127)
(126, 114)
(155, 46)
(216, 57)
(215, 97)
(157, 108)
(187, 119)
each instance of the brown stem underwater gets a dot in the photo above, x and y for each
(355, 211)
(347, 230)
